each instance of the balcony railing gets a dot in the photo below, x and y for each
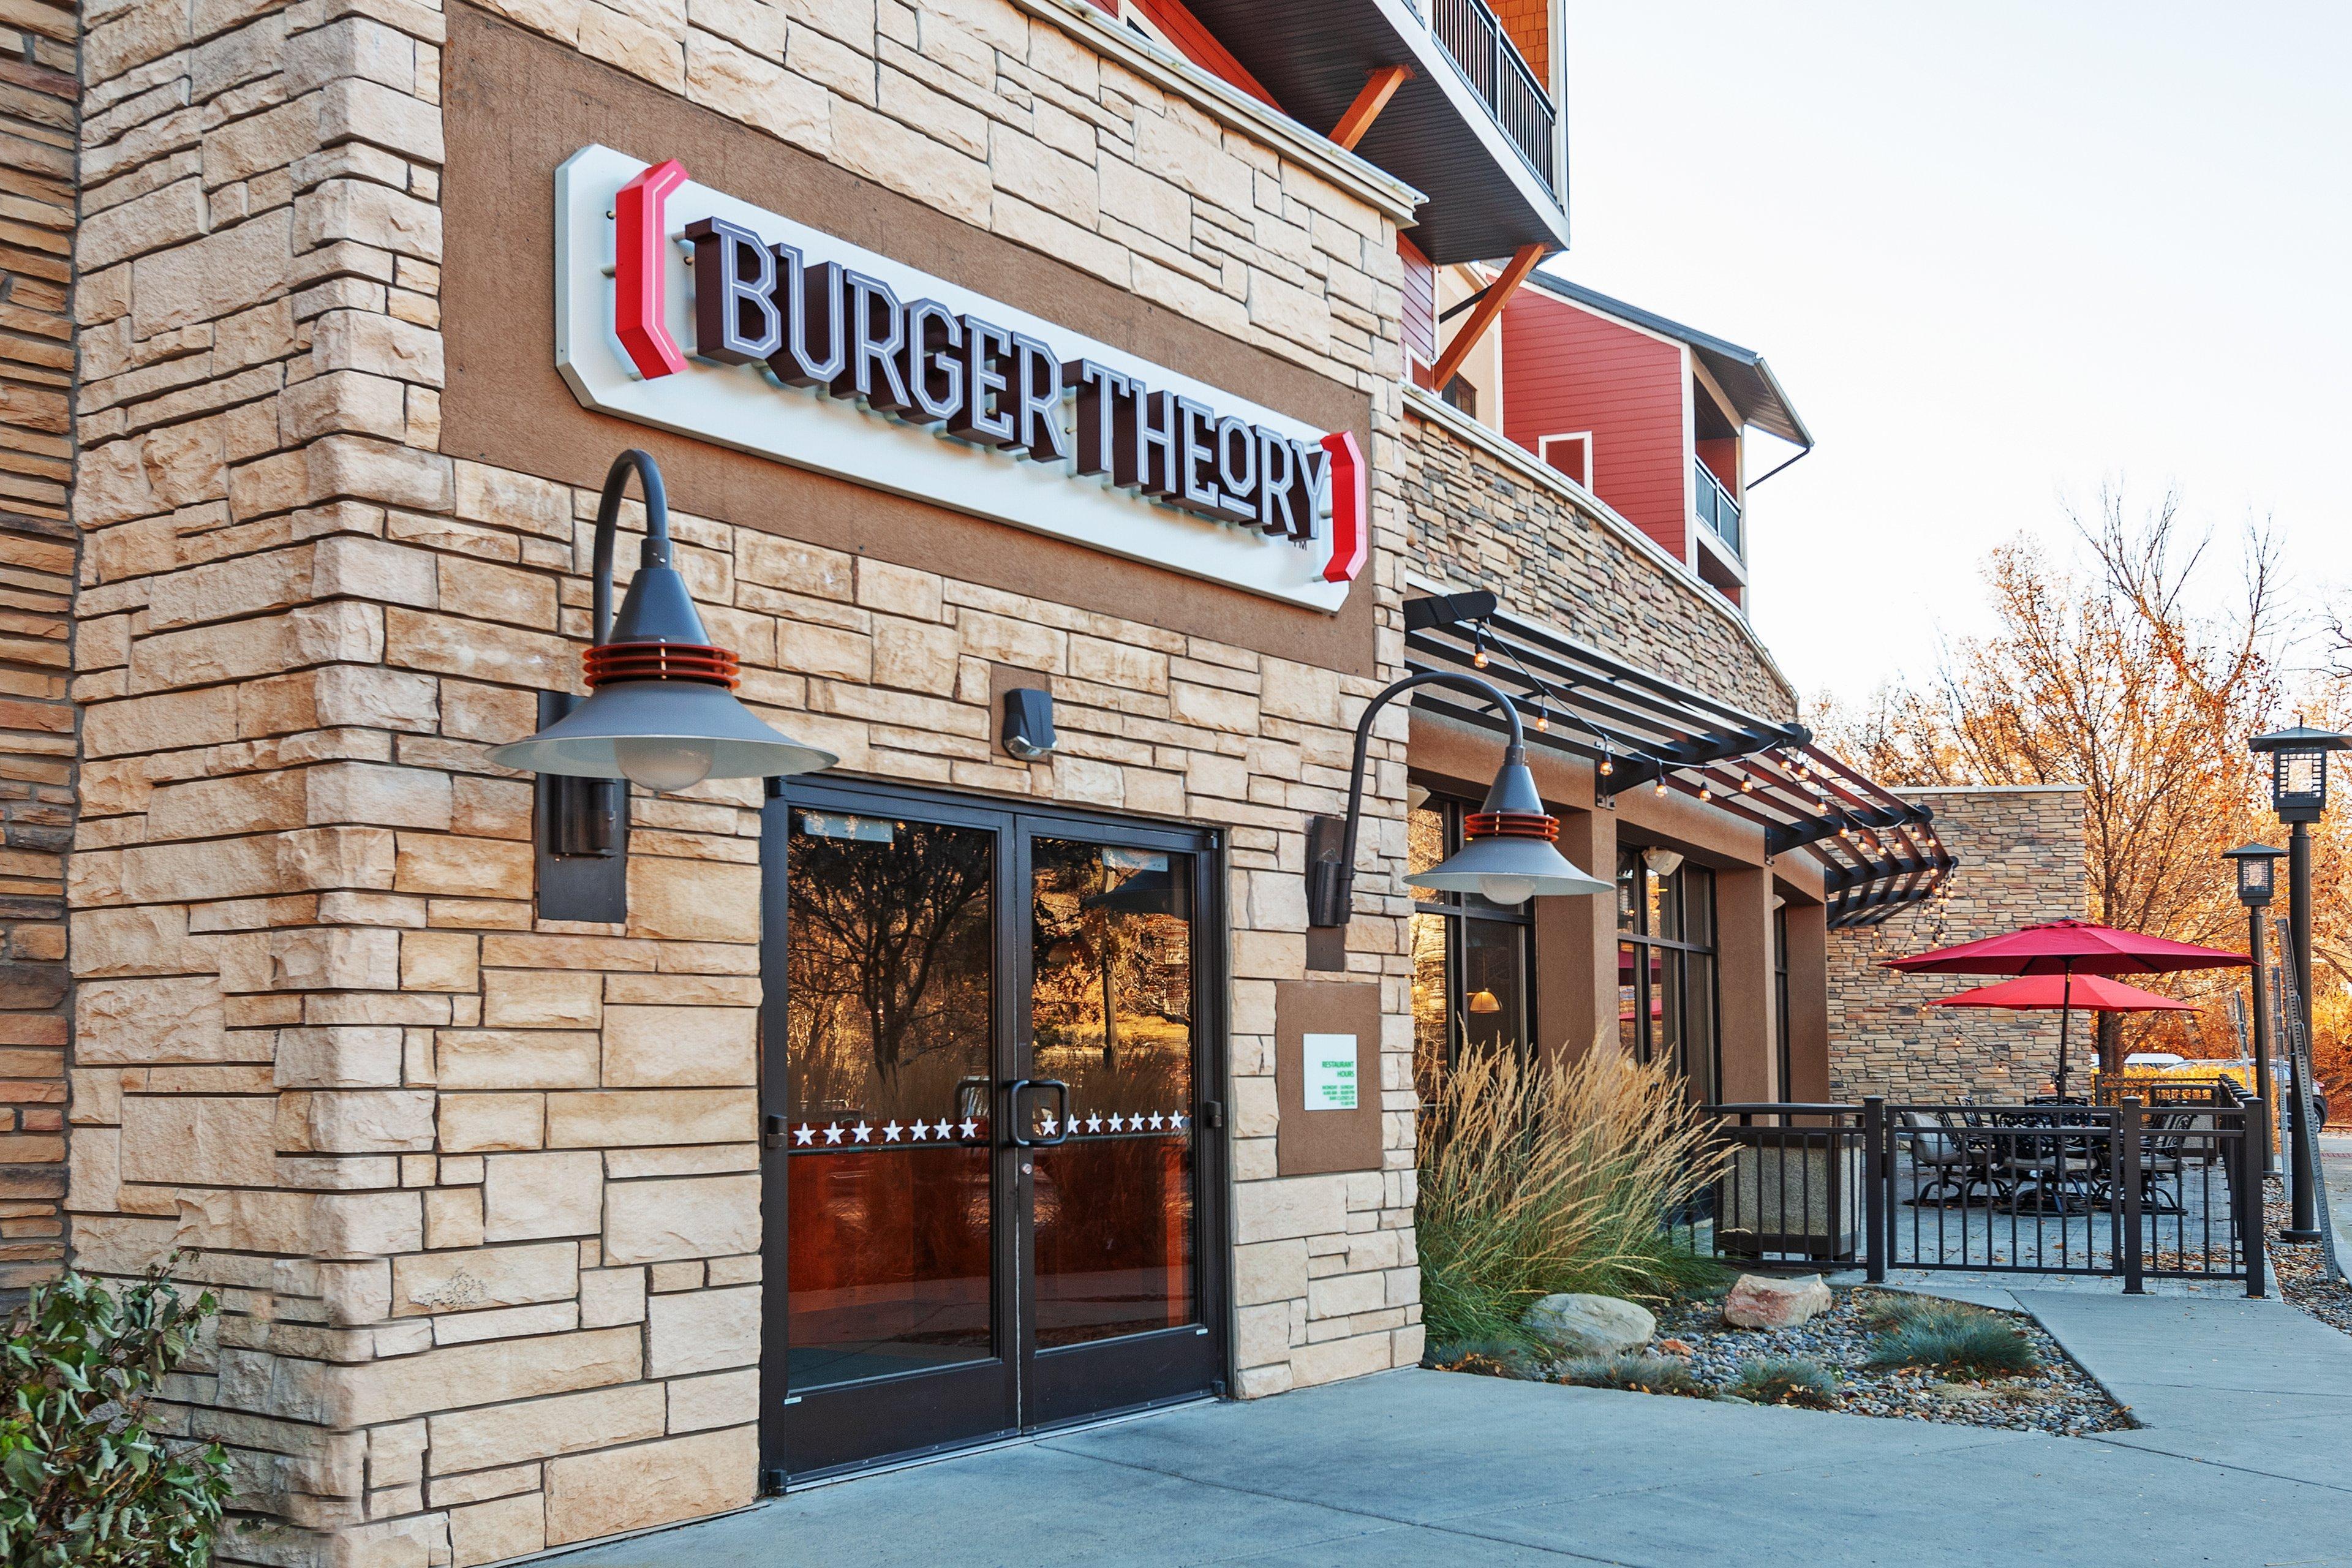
(1490, 61)
(1716, 507)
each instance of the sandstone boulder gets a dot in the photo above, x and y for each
(1589, 1325)
(1758, 1301)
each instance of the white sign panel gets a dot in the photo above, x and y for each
(680, 307)
(1330, 1071)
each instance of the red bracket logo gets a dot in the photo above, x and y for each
(1351, 533)
(640, 231)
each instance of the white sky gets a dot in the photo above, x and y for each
(1996, 253)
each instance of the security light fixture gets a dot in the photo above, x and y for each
(1506, 856)
(661, 709)
(2257, 876)
(1028, 731)
(1662, 862)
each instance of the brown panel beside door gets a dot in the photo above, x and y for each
(1320, 1141)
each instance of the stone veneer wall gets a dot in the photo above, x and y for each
(38, 98)
(2022, 860)
(1483, 521)
(479, 1189)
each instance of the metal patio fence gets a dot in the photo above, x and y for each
(2129, 1190)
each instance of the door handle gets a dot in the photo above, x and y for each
(1017, 1127)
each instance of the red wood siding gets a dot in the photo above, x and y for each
(1721, 457)
(1420, 303)
(1565, 368)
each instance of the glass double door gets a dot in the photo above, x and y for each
(986, 1046)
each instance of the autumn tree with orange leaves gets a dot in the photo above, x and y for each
(2139, 678)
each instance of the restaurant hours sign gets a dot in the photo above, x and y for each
(679, 307)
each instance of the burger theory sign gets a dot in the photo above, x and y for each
(679, 307)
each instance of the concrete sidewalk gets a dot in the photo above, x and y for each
(2249, 1405)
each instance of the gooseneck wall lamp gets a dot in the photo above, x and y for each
(1507, 855)
(661, 709)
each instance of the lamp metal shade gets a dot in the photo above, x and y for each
(1553, 873)
(584, 743)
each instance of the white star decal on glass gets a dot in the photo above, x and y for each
(890, 1132)
(803, 1133)
(862, 1134)
(833, 1133)
(942, 1130)
(1119, 1123)
(1046, 1124)
(969, 1129)
(1094, 1122)
(1178, 1123)
(1156, 1119)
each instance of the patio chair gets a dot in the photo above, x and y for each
(2163, 1158)
(1959, 1168)
(2055, 1169)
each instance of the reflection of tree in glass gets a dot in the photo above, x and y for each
(894, 933)
(1112, 995)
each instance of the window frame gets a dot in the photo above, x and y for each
(1543, 454)
(1641, 941)
(1455, 909)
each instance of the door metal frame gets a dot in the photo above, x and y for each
(1022, 1370)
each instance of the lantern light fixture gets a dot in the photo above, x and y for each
(661, 709)
(2257, 872)
(2299, 769)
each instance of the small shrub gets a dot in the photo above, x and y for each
(1957, 1338)
(1634, 1372)
(85, 1483)
(1543, 1176)
(1786, 1380)
(1885, 1310)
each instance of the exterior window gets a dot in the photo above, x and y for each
(1461, 395)
(1470, 959)
(1787, 1081)
(1666, 968)
(1571, 454)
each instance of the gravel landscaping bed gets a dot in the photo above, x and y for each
(2302, 1272)
(2059, 1398)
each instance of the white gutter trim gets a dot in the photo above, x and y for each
(1428, 405)
(1231, 107)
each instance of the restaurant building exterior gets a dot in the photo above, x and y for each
(1073, 416)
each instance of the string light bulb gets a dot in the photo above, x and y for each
(1478, 648)
(1608, 764)
(1747, 784)
(1662, 783)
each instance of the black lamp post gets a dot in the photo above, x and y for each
(2299, 794)
(660, 712)
(2256, 876)
(1507, 855)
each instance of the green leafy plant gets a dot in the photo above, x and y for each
(1539, 1177)
(1786, 1380)
(1634, 1372)
(1954, 1338)
(86, 1483)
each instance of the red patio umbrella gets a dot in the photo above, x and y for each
(2071, 950)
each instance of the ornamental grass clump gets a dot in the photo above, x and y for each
(1786, 1380)
(1634, 1372)
(86, 1483)
(1540, 1177)
(1952, 1337)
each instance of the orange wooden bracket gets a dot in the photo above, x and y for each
(1484, 314)
(1379, 87)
